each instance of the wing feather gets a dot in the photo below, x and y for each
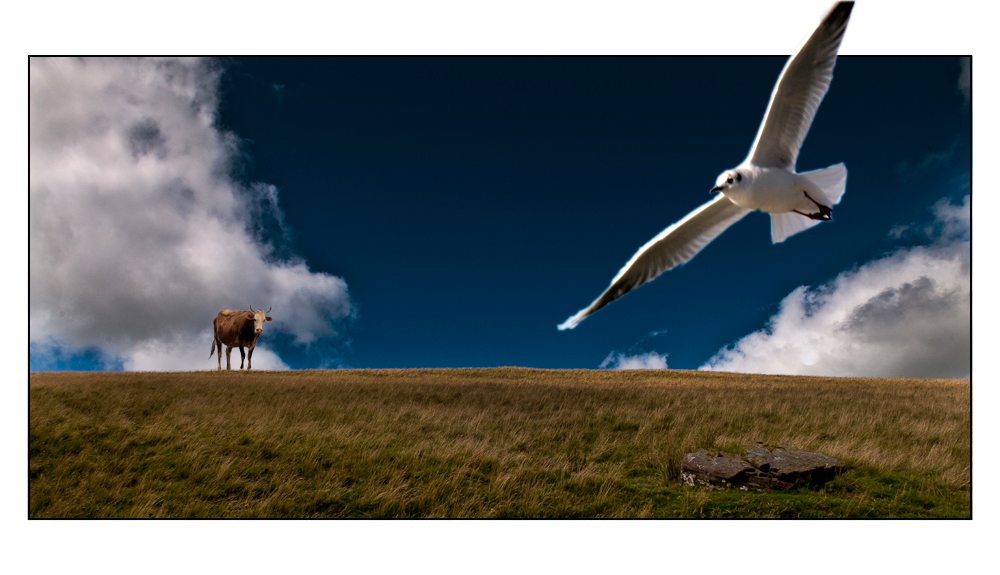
(670, 248)
(800, 88)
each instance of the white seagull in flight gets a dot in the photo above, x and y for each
(765, 181)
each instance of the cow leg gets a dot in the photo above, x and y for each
(243, 356)
(218, 344)
(250, 354)
(229, 350)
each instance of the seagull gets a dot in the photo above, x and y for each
(765, 181)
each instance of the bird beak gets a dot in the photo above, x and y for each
(716, 189)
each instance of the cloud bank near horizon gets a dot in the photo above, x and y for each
(637, 360)
(907, 314)
(649, 360)
(138, 233)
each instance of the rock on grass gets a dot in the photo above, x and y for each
(759, 468)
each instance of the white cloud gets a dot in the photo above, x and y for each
(906, 314)
(138, 236)
(651, 360)
(182, 353)
(899, 230)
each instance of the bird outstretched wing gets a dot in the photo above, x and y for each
(800, 88)
(670, 248)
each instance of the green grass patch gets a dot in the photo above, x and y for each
(502, 442)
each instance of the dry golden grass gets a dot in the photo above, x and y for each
(498, 442)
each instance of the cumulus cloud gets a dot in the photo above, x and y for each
(899, 230)
(138, 234)
(650, 360)
(906, 314)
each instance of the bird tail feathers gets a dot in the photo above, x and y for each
(787, 224)
(833, 182)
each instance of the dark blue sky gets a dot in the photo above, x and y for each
(472, 204)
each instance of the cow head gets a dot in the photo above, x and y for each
(258, 317)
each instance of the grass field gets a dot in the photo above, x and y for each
(496, 442)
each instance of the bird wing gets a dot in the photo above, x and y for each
(670, 248)
(799, 90)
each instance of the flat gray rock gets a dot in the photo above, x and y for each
(790, 465)
(714, 468)
(759, 468)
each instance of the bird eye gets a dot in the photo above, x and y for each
(729, 181)
(739, 178)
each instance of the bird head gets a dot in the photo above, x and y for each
(728, 180)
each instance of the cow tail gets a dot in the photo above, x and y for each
(213, 340)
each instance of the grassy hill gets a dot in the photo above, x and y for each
(496, 442)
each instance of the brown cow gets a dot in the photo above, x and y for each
(237, 329)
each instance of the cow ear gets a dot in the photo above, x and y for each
(250, 316)
(267, 318)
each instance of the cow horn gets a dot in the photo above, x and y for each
(268, 310)
(251, 308)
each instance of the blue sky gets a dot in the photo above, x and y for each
(458, 209)
(472, 204)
